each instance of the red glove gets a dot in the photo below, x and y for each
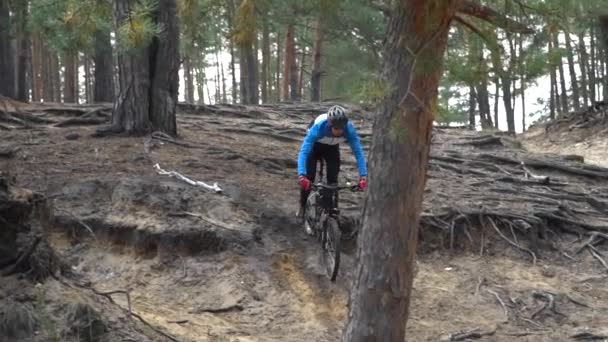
(362, 183)
(304, 182)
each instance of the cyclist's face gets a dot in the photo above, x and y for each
(337, 132)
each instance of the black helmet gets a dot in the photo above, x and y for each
(337, 117)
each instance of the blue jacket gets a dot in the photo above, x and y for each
(320, 132)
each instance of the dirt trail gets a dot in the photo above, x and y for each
(236, 266)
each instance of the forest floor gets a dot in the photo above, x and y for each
(236, 266)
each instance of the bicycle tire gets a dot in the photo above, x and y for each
(331, 248)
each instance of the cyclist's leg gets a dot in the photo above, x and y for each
(311, 170)
(332, 163)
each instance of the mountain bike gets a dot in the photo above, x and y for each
(321, 215)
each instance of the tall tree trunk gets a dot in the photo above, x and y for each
(252, 68)
(496, 99)
(7, 53)
(523, 81)
(189, 80)
(562, 79)
(243, 69)
(235, 88)
(604, 36)
(582, 51)
(302, 60)
(265, 60)
(149, 76)
(293, 71)
(200, 81)
(23, 54)
(47, 74)
(104, 67)
(472, 106)
(573, 78)
(379, 300)
(289, 56)
(36, 67)
(591, 67)
(278, 67)
(224, 95)
(56, 77)
(554, 86)
(315, 78)
(87, 79)
(69, 77)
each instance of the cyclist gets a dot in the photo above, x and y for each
(322, 141)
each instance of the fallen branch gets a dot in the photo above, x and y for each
(213, 187)
(474, 333)
(502, 304)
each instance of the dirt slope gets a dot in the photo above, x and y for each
(235, 266)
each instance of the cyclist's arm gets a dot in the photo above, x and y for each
(314, 134)
(355, 144)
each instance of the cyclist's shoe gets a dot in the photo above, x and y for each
(308, 228)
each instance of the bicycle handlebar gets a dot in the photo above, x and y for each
(335, 187)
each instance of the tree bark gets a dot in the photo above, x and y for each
(69, 78)
(289, 56)
(36, 68)
(591, 67)
(224, 95)
(87, 79)
(576, 97)
(56, 77)
(149, 76)
(104, 68)
(582, 51)
(472, 106)
(554, 86)
(379, 300)
(315, 78)
(523, 81)
(252, 68)
(243, 66)
(496, 99)
(23, 55)
(265, 60)
(278, 68)
(562, 79)
(293, 72)
(188, 80)
(302, 60)
(7, 53)
(200, 81)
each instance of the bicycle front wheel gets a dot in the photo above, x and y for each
(331, 248)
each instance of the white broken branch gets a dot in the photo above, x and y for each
(215, 187)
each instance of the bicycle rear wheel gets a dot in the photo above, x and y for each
(331, 248)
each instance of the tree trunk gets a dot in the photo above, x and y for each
(104, 68)
(289, 56)
(604, 35)
(56, 77)
(224, 95)
(243, 66)
(302, 60)
(37, 67)
(47, 74)
(87, 79)
(200, 81)
(380, 297)
(149, 76)
(293, 72)
(496, 99)
(188, 80)
(235, 88)
(252, 68)
(472, 106)
(523, 81)
(23, 55)
(554, 86)
(562, 79)
(69, 78)
(278, 68)
(315, 78)
(265, 60)
(582, 51)
(591, 67)
(573, 78)
(7, 53)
